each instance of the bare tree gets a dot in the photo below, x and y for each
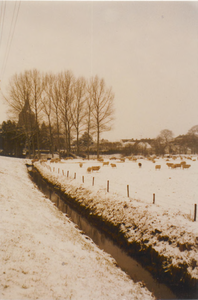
(193, 130)
(88, 121)
(47, 106)
(19, 101)
(102, 98)
(163, 140)
(77, 107)
(56, 100)
(36, 91)
(67, 96)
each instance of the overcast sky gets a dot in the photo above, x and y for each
(146, 51)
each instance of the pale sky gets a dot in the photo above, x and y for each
(146, 51)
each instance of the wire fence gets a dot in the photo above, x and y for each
(170, 189)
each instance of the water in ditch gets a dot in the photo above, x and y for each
(124, 261)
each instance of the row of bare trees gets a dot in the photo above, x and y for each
(72, 105)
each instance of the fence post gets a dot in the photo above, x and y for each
(195, 213)
(74, 175)
(58, 170)
(83, 179)
(53, 169)
(63, 172)
(67, 174)
(107, 185)
(93, 182)
(127, 190)
(153, 198)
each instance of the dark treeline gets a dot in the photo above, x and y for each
(13, 141)
(61, 114)
(163, 144)
(53, 112)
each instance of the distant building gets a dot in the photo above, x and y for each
(27, 118)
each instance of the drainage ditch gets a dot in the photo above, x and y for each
(128, 264)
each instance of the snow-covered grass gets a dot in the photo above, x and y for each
(174, 189)
(43, 255)
(167, 226)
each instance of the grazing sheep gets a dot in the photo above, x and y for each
(175, 166)
(113, 165)
(186, 166)
(139, 165)
(55, 160)
(80, 165)
(169, 165)
(43, 160)
(112, 158)
(105, 163)
(34, 160)
(100, 159)
(122, 159)
(89, 170)
(157, 167)
(95, 168)
(52, 160)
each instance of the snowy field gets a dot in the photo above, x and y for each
(174, 189)
(44, 256)
(166, 226)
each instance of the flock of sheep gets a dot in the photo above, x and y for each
(182, 165)
(171, 165)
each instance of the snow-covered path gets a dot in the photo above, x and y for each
(43, 255)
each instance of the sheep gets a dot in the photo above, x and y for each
(105, 163)
(34, 160)
(43, 160)
(55, 160)
(95, 168)
(186, 166)
(139, 165)
(80, 165)
(89, 170)
(122, 159)
(157, 167)
(113, 158)
(100, 159)
(169, 165)
(177, 165)
(174, 166)
(113, 165)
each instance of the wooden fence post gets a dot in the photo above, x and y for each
(107, 185)
(127, 190)
(74, 175)
(63, 172)
(195, 213)
(67, 174)
(93, 182)
(83, 179)
(153, 198)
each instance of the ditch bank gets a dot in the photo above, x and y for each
(160, 251)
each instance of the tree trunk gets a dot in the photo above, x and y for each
(98, 142)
